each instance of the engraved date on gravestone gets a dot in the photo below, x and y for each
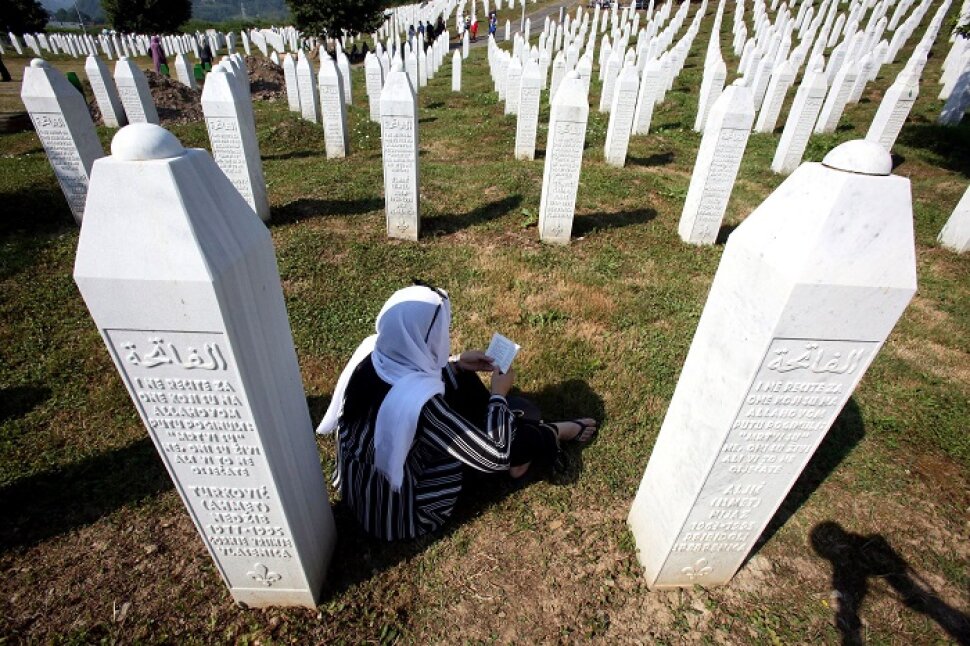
(190, 396)
(797, 393)
(62, 153)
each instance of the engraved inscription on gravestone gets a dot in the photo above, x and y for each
(795, 397)
(719, 183)
(188, 392)
(59, 145)
(397, 135)
(227, 150)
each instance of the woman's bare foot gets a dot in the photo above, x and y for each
(579, 430)
(517, 472)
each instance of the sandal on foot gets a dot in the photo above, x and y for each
(584, 428)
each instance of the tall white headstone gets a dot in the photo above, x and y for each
(374, 81)
(456, 71)
(646, 99)
(782, 343)
(801, 122)
(343, 66)
(184, 71)
(292, 84)
(838, 96)
(180, 278)
(134, 92)
(715, 73)
(334, 109)
(309, 98)
(893, 110)
(621, 115)
(564, 160)
(233, 139)
(64, 127)
(527, 120)
(781, 80)
(718, 160)
(105, 92)
(513, 83)
(956, 233)
(399, 142)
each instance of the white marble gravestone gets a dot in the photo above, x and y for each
(956, 233)
(456, 71)
(527, 119)
(558, 74)
(64, 126)
(513, 83)
(808, 289)
(105, 92)
(343, 66)
(646, 99)
(334, 110)
(399, 143)
(838, 96)
(781, 80)
(180, 278)
(956, 105)
(232, 136)
(621, 115)
(134, 92)
(718, 160)
(801, 122)
(564, 158)
(715, 73)
(184, 71)
(306, 80)
(292, 84)
(893, 110)
(373, 82)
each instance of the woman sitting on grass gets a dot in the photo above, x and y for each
(409, 420)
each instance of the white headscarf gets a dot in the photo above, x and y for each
(411, 365)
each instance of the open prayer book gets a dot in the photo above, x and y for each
(502, 350)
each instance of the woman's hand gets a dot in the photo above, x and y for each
(502, 382)
(475, 361)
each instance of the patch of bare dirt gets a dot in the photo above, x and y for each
(266, 80)
(176, 103)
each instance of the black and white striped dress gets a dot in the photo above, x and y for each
(443, 443)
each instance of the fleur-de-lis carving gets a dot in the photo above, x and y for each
(262, 574)
(699, 570)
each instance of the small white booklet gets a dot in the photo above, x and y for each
(502, 350)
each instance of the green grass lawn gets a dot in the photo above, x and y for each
(96, 545)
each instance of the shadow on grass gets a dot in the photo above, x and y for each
(725, 232)
(32, 216)
(359, 557)
(57, 501)
(307, 208)
(949, 144)
(17, 401)
(856, 559)
(445, 224)
(297, 154)
(660, 159)
(845, 433)
(586, 224)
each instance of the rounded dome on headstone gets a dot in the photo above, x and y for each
(39, 62)
(145, 142)
(860, 156)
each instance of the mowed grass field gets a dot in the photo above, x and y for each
(872, 541)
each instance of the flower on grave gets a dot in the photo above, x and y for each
(699, 570)
(262, 574)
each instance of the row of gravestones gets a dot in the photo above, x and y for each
(219, 390)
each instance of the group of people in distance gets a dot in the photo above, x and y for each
(410, 420)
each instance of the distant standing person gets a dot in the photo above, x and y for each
(158, 56)
(4, 74)
(474, 29)
(205, 54)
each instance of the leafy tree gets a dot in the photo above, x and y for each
(22, 16)
(147, 16)
(334, 17)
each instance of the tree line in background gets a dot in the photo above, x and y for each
(319, 17)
